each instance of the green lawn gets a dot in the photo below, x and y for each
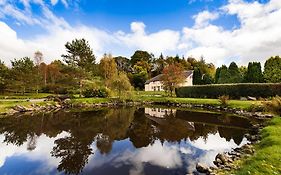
(138, 96)
(232, 103)
(90, 100)
(6, 105)
(267, 159)
(25, 96)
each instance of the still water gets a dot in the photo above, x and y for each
(116, 141)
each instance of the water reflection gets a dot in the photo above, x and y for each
(116, 141)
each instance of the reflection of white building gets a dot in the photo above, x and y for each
(155, 83)
(159, 112)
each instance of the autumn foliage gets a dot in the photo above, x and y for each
(173, 76)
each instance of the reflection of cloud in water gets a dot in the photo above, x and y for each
(215, 142)
(41, 153)
(165, 156)
(184, 154)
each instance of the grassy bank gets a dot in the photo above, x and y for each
(232, 103)
(5, 106)
(267, 159)
(10, 100)
(24, 96)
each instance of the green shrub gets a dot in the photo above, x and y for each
(56, 89)
(234, 91)
(224, 100)
(102, 92)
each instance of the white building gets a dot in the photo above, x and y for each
(159, 112)
(155, 83)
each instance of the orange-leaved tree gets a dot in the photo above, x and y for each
(173, 76)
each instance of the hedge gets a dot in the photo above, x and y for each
(234, 91)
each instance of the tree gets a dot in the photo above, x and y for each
(4, 76)
(158, 65)
(108, 67)
(173, 75)
(80, 58)
(235, 76)
(123, 64)
(197, 76)
(207, 79)
(243, 72)
(254, 73)
(272, 70)
(38, 60)
(140, 55)
(23, 71)
(217, 75)
(121, 84)
(79, 53)
(224, 75)
(139, 77)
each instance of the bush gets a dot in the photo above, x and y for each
(56, 89)
(234, 91)
(224, 100)
(101, 93)
(274, 105)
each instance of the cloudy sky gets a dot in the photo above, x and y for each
(220, 31)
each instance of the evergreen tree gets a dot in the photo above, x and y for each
(140, 55)
(254, 73)
(4, 76)
(197, 76)
(235, 76)
(272, 70)
(224, 75)
(217, 76)
(79, 54)
(23, 71)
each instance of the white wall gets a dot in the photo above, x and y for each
(156, 84)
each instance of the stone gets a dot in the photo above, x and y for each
(20, 108)
(202, 168)
(247, 135)
(254, 138)
(223, 157)
(67, 100)
(247, 149)
(256, 127)
(251, 98)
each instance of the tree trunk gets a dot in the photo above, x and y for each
(80, 95)
(45, 77)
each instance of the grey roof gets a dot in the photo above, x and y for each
(158, 77)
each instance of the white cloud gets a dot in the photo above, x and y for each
(161, 41)
(64, 2)
(54, 2)
(202, 19)
(257, 38)
(41, 153)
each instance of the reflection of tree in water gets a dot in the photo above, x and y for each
(225, 118)
(106, 125)
(202, 130)
(235, 134)
(104, 144)
(83, 127)
(73, 153)
(31, 143)
(141, 130)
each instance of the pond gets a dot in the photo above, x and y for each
(117, 141)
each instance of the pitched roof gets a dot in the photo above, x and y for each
(158, 77)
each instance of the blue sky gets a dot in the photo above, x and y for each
(209, 28)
